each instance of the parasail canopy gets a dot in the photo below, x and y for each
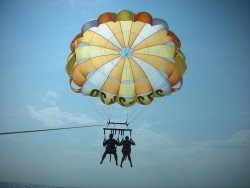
(126, 58)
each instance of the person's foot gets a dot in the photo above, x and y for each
(131, 165)
(101, 162)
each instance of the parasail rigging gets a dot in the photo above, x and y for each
(125, 59)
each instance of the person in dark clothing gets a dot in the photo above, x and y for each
(126, 149)
(110, 148)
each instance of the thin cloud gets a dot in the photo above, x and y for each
(240, 139)
(150, 140)
(50, 98)
(53, 116)
(164, 149)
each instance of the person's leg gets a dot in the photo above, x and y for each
(129, 158)
(123, 158)
(103, 156)
(115, 155)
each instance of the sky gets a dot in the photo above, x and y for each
(198, 137)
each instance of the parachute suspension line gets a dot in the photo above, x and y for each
(127, 114)
(101, 115)
(111, 107)
(52, 129)
(132, 112)
(107, 113)
(139, 114)
(105, 110)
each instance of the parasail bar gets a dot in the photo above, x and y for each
(117, 123)
(111, 129)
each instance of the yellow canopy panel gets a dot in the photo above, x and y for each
(126, 58)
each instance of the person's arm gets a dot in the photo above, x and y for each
(132, 141)
(117, 142)
(105, 142)
(120, 143)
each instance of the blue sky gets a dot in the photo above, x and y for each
(199, 137)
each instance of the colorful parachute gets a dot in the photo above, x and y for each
(126, 58)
